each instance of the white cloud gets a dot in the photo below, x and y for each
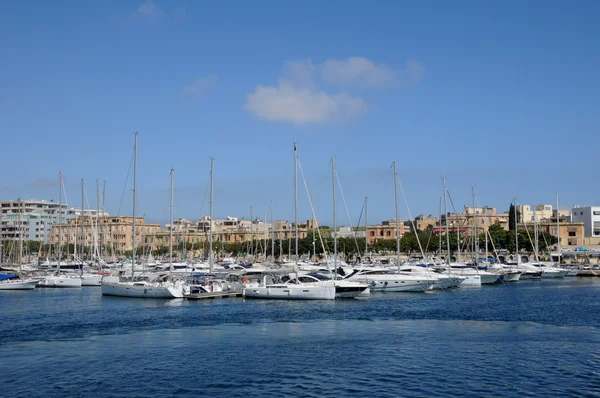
(300, 105)
(150, 10)
(356, 71)
(359, 71)
(198, 87)
(297, 98)
(412, 72)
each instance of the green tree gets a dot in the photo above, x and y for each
(511, 217)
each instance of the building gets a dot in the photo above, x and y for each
(571, 233)
(33, 219)
(386, 230)
(564, 214)
(115, 234)
(423, 222)
(539, 212)
(590, 217)
(349, 232)
(473, 219)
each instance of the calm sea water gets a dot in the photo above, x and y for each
(529, 338)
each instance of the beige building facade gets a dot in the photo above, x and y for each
(115, 233)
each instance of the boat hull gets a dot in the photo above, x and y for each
(292, 292)
(346, 289)
(489, 279)
(91, 280)
(573, 272)
(141, 291)
(511, 276)
(553, 274)
(60, 282)
(18, 284)
(471, 281)
(383, 285)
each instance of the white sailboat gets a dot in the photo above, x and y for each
(322, 290)
(549, 271)
(20, 283)
(472, 276)
(59, 280)
(156, 286)
(387, 280)
(343, 288)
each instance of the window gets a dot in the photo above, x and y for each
(572, 233)
(581, 213)
(597, 213)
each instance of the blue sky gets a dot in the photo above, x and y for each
(500, 95)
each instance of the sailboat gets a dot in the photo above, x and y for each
(472, 277)
(292, 289)
(87, 278)
(343, 288)
(386, 280)
(20, 283)
(548, 269)
(157, 286)
(57, 279)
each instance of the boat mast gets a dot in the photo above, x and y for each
(296, 208)
(171, 224)
(516, 231)
(446, 218)
(134, 197)
(210, 242)
(265, 236)
(82, 229)
(397, 221)
(558, 229)
(21, 209)
(440, 230)
(314, 242)
(98, 221)
(60, 181)
(335, 262)
(272, 232)
(535, 235)
(474, 229)
(486, 246)
(366, 227)
(102, 234)
(251, 231)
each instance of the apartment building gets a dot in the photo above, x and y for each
(590, 217)
(33, 219)
(114, 233)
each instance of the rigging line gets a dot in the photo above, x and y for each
(530, 240)
(312, 208)
(66, 203)
(412, 221)
(125, 185)
(458, 226)
(347, 211)
(429, 240)
(204, 201)
(488, 230)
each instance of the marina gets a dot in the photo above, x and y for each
(299, 199)
(537, 336)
